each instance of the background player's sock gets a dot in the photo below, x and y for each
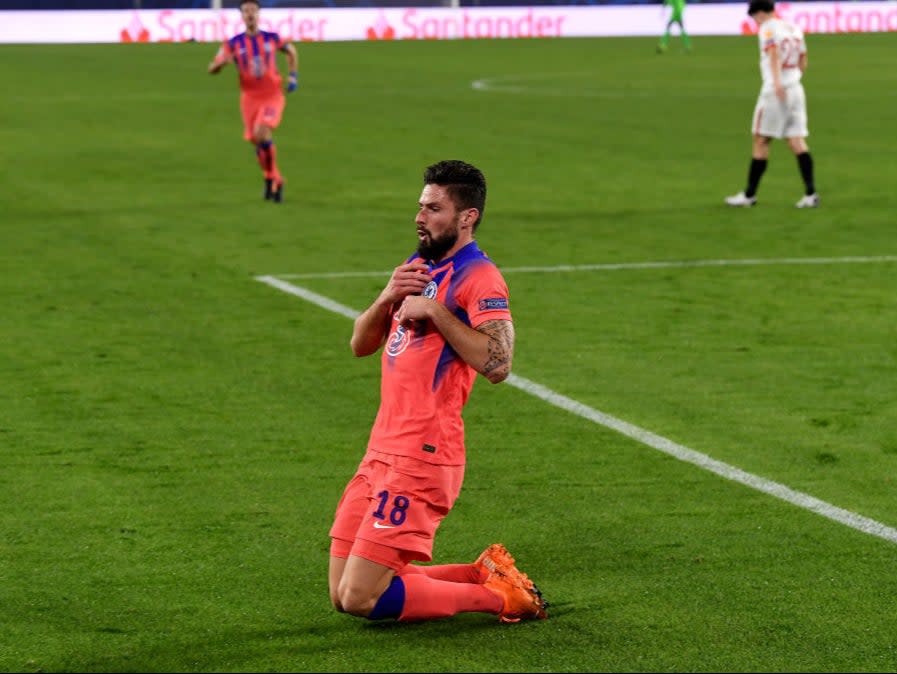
(805, 163)
(264, 152)
(427, 598)
(275, 171)
(758, 166)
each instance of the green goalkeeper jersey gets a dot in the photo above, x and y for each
(678, 6)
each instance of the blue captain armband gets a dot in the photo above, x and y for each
(293, 81)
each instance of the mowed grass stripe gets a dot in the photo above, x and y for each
(645, 437)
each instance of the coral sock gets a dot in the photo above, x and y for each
(275, 172)
(427, 598)
(263, 152)
(266, 153)
(454, 573)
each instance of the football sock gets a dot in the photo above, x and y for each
(805, 163)
(390, 603)
(454, 573)
(275, 172)
(264, 151)
(758, 166)
(427, 598)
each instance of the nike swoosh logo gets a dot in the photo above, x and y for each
(377, 525)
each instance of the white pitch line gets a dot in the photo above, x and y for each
(677, 451)
(683, 453)
(553, 85)
(667, 264)
(310, 296)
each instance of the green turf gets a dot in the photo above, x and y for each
(174, 435)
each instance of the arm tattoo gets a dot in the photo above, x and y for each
(500, 348)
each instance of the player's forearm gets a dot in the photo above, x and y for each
(292, 59)
(221, 58)
(487, 349)
(775, 68)
(369, 331)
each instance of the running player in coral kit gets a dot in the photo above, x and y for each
(262, 101)
(442, 318)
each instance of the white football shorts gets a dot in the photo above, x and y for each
(781, 119)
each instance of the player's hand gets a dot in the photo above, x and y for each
(293, 82)
(221, 59)
(407, 279)
(413, 308)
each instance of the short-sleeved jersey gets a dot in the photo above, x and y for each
(424, 382)
(789, 42)
(255, 57)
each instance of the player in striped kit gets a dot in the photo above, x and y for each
(262, 101)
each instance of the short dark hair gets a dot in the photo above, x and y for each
(755, 6)
(465, 184)
(246, 2)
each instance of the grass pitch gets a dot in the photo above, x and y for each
(175, 435)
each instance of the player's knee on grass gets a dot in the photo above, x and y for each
(335, 600)
(356, 600)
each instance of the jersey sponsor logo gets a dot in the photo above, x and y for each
(494, 303)
(398, 341)
(378, 525)
(430, 291)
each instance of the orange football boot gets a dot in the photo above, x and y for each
(522, 600)
(495, 559)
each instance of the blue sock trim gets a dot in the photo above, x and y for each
(264, 145)
(391, 602)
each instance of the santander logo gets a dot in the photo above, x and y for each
(381, 30)
(135, 31)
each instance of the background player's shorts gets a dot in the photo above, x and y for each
(257, 110)
(777, 119)
(391, 508)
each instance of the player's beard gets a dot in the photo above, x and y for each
(434, 248)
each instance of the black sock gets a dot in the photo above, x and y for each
(805, 164)
(758, 166)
